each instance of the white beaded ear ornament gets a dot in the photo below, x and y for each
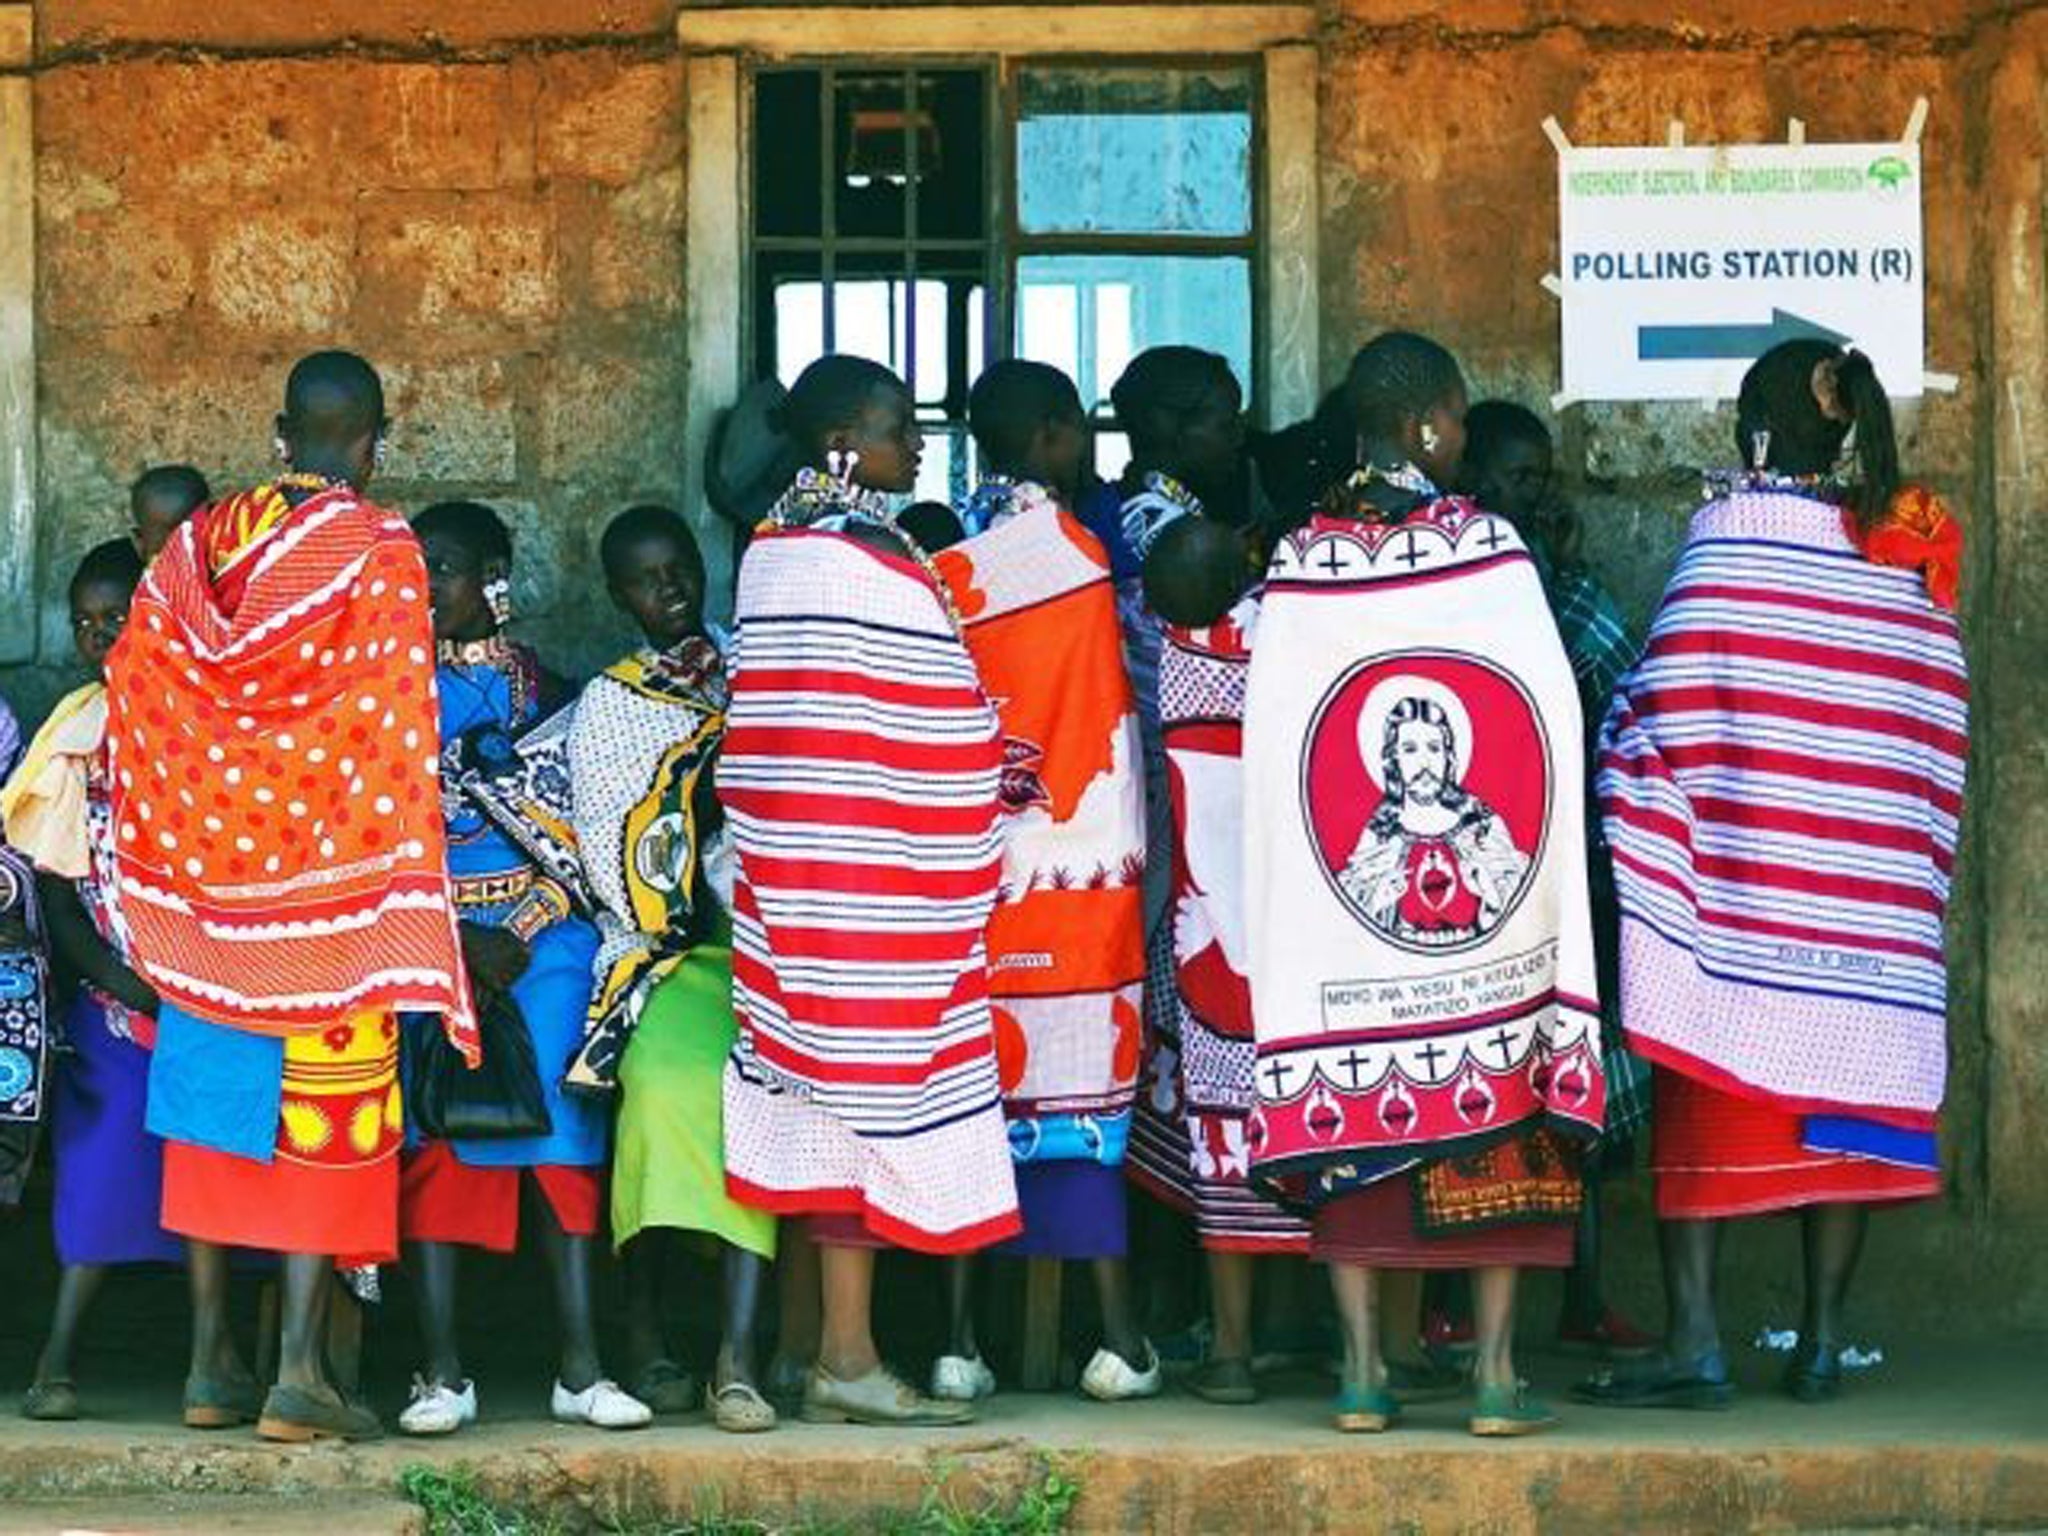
(380, 451)
(1429, 438)
(840, 463)
(1759, 448)
(498, 598)
(282, 448)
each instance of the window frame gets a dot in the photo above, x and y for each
(721, 43)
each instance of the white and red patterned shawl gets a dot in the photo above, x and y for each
(1782, 781)
(275, 753)
(1420, 941)
(859, 775)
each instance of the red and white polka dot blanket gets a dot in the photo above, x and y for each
(274, 762)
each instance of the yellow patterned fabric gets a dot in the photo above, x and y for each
(342, 1106)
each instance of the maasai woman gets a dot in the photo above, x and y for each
(659, 859)
(1183, 412)
(1066, 944)
(1421, 960)
(860, 775)
(1508, 468)
(526, 953)
(109, 1185)
(271, 737)
(1782, 777)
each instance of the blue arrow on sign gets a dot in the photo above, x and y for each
(1705, 343)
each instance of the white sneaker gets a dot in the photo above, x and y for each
(1110, 1379)
(957, 1379)
(437, 1408)
(602, 1405)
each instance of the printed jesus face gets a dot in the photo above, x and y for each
(1418, 752)
(1427, 788)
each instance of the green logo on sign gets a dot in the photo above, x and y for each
(1890, 172)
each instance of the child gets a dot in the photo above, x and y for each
(526, 953)
(159, 501)
(660, 863)
(109, 1168)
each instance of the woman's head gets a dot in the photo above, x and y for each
(655, 573)
(846, 410)
(468, 552)
(1028, 422)
(1798, 405)
(1407, 397)
(1508, 459)
(1183, 411)
(333, 420)
(101, 589)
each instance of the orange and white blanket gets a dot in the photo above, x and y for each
(274, 756)
(1066, 944)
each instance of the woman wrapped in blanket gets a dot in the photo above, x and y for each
(860, 774)
(526, 951)
(109, 1185)
(1419, 955)
(1781, 778)
(659, 861)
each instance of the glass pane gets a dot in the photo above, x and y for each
(787, 182)
(1112, 453)
(1134, 151)
(873, 127)
(946, 472)
(789, 313)
(952, 200)
(1090, 315)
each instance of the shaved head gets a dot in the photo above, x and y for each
(333, 413)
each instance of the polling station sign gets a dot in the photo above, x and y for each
(1679, 266)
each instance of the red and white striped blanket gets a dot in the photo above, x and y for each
(1782, 778)
(860, 773)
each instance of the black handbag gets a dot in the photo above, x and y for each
(500, 1100)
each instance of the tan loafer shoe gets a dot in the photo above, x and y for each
(880, 1397)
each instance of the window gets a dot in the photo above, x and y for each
(935, 215)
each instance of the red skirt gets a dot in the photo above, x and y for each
(1717, 1154)
(1376, 1227)
(445, 1200)
(332, 1185)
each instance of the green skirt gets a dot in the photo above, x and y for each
(668, 1161)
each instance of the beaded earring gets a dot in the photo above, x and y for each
(498, 598)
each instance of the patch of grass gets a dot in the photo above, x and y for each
(454, 1505)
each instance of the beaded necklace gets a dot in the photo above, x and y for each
(1830, 486)
(496, 653)
(818, 501)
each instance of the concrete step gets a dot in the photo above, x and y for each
(1941, 1439)
(176, 1514)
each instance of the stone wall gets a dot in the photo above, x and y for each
(490, 205)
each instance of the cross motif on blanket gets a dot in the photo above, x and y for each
(1431, 1054)
(1504, 1042)
(1410, 556)
(1351, 1061)
(1493, 538)
(1278, 1075)
(1332, 562)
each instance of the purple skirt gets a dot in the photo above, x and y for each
(109, 1170)
(1071, 1210)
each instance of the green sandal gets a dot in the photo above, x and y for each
(1366, 1410)
(1505, 1412)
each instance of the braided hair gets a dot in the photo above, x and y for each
(1809, 395)
(471, 525)
(1161, 388)
(1396, 377)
